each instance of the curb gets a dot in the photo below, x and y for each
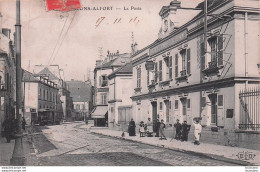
(211, 156)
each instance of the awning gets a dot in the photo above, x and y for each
(99, 112)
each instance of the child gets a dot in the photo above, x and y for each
(141, 130)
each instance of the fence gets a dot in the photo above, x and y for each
(249, 109)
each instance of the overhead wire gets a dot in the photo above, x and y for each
(64, 37)
(58, 40)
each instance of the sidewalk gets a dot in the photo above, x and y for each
(6, 152)
(219, 152)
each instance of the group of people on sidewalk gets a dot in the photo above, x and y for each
(182, 130)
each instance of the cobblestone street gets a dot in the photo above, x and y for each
(68, 145)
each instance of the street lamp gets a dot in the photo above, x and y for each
(18, 154)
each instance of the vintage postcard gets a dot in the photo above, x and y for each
(129, 83)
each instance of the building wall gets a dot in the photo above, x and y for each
(119, 97)
(200, 86)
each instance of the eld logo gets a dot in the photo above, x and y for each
(246, 155)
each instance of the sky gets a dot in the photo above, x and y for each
(72, 39)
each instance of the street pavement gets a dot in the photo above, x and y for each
(71, 144)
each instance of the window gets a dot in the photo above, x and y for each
(40, 93)
(139, 78)
(170, 67)
(156, 72)
(77, 107)
(170, 105)
(148, 77)
(203, 102)
(161, 106)
(103, 81)
(183, 57)
(83, 107)
(220, 100)
(188, 103)
(216, 51)
(168, 62)
(176, 65)
(176, 104)
(104, 98)
(202, 55)
(188, 61)
(160, 70)
(184, 106)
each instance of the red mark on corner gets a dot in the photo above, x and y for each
(63, 5)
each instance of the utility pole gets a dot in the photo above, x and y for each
(18, 157)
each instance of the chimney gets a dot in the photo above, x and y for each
(98, 62)
(6, 32)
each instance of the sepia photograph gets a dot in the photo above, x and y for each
(129, 83)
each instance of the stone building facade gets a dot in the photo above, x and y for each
(178, 77)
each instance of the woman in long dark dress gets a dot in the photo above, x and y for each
(131, 129)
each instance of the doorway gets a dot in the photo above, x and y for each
(213, 101)
(154, 108)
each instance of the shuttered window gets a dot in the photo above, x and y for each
(148, 77)
(220, 50)
(176, 65)
(202, 56)
(156, 72)
(170, 67)
(188, 61)
(220, 100)
(139, 78)
(160, 70)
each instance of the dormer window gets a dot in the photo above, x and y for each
(103, 81)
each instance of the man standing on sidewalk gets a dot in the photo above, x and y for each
(177, 125)
(197, 131)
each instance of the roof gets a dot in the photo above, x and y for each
(27, 76)
(47, 72)
(211, 4)
(80, 91)
(119, 61)
(52, 69)
(126, 69)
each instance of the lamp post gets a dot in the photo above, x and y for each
(18, 154)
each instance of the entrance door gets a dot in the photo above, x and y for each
(167, 111)
(213, 100)
(184, 109)
(154, 105)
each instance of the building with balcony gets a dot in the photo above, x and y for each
(82, 97)
(7, 75)
(197, 71)
(112, 62)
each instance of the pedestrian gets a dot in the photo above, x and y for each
(23, 123)
(157, 128)
(7, 125)
(177, 125)
(141, 129)
(131, 127)
(149, 125)
(185, 131)
(197, 131)
(162, 128)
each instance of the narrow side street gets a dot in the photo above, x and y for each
(69, 145)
